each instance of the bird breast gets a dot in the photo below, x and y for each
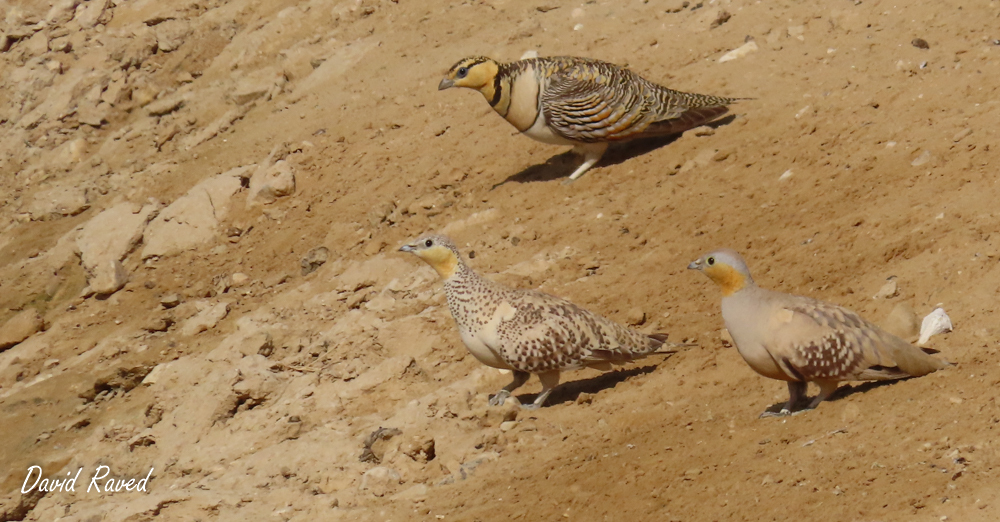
(745, 322)
(523, 109)
(480, 349)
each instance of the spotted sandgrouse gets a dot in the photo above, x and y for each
(585, 103)
(802, 340)
(527, 331)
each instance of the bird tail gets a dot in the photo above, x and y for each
(689, 119)
(660, 345)
(915, 361)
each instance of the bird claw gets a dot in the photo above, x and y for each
(568, 181)
(499, 398)
(785, 412)
(768, 414)
(530, 406)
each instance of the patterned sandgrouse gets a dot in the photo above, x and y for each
(528, 331)
(801, 340)
(581, 102)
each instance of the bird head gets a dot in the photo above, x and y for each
(726, 268)
(477, 72)
(437, 251)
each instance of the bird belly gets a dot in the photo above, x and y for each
(757, 356)
(482, 351)
(540, 131)
(750, 346)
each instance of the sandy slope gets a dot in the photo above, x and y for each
(264, 414)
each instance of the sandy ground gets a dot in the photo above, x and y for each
(263, 415)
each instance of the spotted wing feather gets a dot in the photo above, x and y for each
(548, 333)
(841, 345)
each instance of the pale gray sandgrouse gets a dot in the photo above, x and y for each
(528, 331)
(802, 340)
(585, 103)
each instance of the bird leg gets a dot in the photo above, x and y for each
(519, 379)
(549, 380)
(796, 392)
(592, 153)
(826, 388)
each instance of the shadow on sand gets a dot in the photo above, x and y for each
(562, 165)
(570, 391)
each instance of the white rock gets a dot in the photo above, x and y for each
(934, 323)
(380, 481)
(739, 52)
(108, 277)
(194, 218)
(20, 327)
(110, 236)
(270, 183)
(785, 175)
(206, 319)
(170, 34)
(889, 290)
(156, 373)
(239, 279)
(923, 158)
(89, 13)
(417, 493)
(61, 12)
(58, 201)
(528, 54)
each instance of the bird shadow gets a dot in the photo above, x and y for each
(570, 391)
(842, 393)
(562, 165)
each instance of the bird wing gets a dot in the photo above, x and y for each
(816, 340)
(588, 101)
(548, 333)
(595, 101)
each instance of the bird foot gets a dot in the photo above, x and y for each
(568, 181)
(784, 412)
(499, 398)
(530, 406)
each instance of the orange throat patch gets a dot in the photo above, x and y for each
(730, 281)
(441, 259)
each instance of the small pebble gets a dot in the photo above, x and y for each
(920, 43)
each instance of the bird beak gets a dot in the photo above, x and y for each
(406, 248)
(695, 265)
(445, 84)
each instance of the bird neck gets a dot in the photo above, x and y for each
(497, 92)
(463, 283)
(731, 281)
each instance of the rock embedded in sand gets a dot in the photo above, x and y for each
(380, 481)
(314, 259)
(20, 327)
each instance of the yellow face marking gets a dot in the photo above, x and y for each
(728, 279)
(475, 74)
(440, 258)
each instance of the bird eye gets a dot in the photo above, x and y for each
(462, 71)
(429, 243)
(710, 261)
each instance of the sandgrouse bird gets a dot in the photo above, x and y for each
(802, 340)
(527, 331)
(582, 102)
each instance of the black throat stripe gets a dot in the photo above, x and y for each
(497, 88)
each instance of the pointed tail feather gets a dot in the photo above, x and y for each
(660, 345)
(689, 119)
(914, 361)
